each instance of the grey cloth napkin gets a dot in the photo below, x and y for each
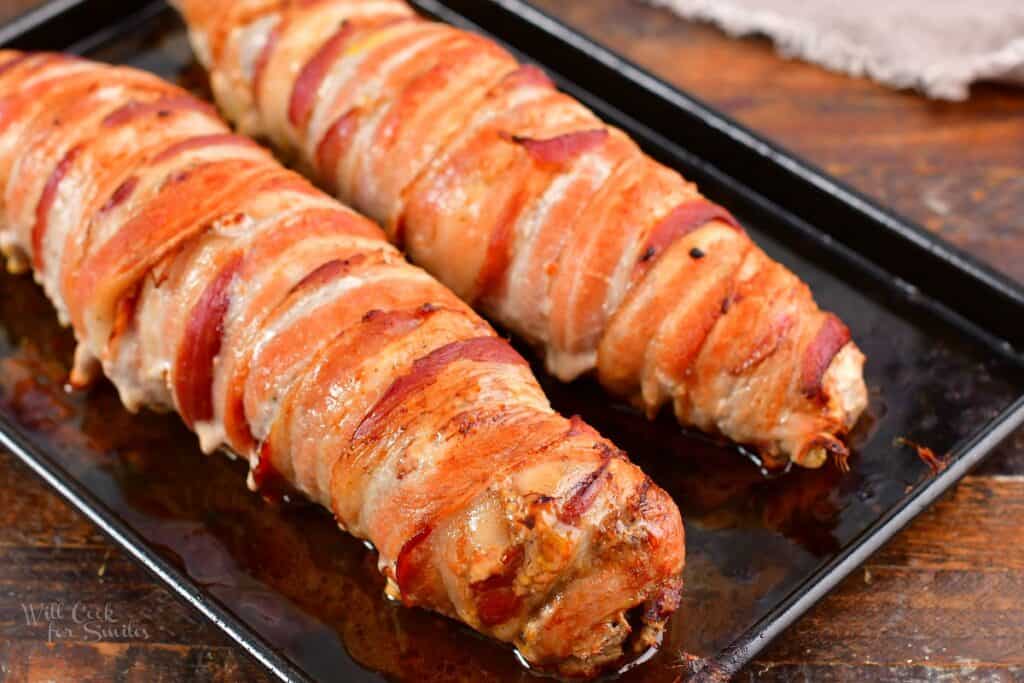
(938, 47)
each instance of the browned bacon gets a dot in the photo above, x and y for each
(530, 208)
(561, 149)
(203, 276)
(205, 331)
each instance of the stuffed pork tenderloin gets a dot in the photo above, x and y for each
(203, 277)
(551, 223)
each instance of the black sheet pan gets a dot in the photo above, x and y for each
(942, 333)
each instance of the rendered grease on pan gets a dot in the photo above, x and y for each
(302, 582)
(316, 596)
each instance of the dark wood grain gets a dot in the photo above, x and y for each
(12, 8)
(75, 608)
(941, 602)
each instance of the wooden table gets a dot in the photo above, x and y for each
(944, 601)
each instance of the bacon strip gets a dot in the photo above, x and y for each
(161, 108)
(124, 316)
(204, 331)
(425, 371)
(528, 74)
(585, 494)
(260, 66)
(330, 270)
(46, 204)
(266, 479)
(498, 250)
(407, 569)
(496, 597)
(562, 149)
(336, 142)
(313, 74)
(684, 219)
(121, 194)
(577, 426)
(201, 141)
(14, 62)
(767, 344)
(831, 338)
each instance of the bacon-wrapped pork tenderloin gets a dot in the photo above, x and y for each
(531, 209)
(203, 277)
